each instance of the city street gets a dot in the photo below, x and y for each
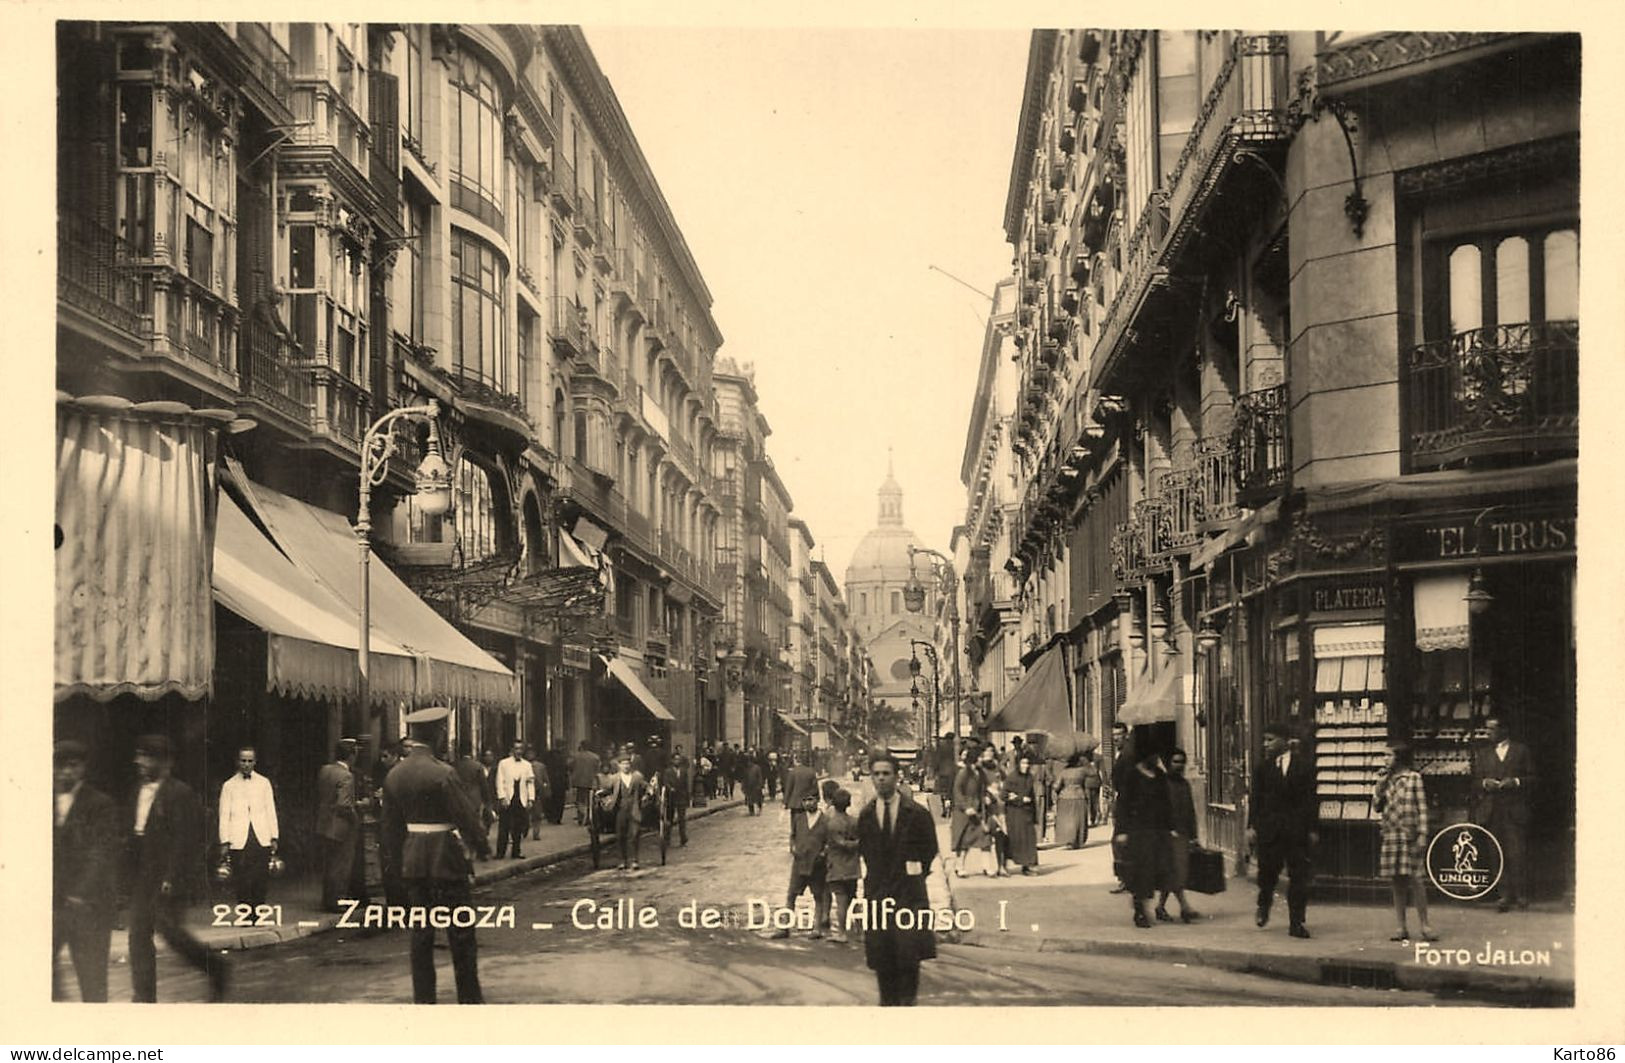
(731, 858)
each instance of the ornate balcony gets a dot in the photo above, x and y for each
(570, 327)
(1182, 511)
(1260, 436)
(1506, 390)
(92, 277)
(340, 408)
(1216, 481)
(562, 192)
(271, 377)
(1128, 552)
(1387, 56)
(1245, 108)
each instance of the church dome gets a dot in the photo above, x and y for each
(882, 554)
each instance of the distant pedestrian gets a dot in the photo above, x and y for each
(1122, 763)
(841, 847)
(1182, 825)
(166, 871)
(752, 785)
(544, 791)
(809, 865)
(476, 781)
(1144, 821)
(1281, 825)
(337, 824)
(998, 827)
(1072, 805)
(1503, 777)
(489, 813)
(516, 792)
(1021, 804)
(772, 771)
(557, 762)
(1401, 799)
(84, 861)
(966, 831)
(622, 800)
(248, 828)
(679, 787)
(799, 781)
(584, 780)
(1091, 789)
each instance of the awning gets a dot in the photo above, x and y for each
(634, 685)
(1441, 485)
(1039, 702)
(1152, 701)
(790, 722)
(311, 636)
(135, 488)
(1214, 548)
(451, 669)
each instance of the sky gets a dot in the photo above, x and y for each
(818, 175)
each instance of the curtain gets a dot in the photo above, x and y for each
(135, 496)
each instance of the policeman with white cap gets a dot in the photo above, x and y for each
(425, 810)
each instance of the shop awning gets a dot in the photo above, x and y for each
(1441, 485)
(135, 489)
(790, 722)
(1039, 701)
(311, 636)
(1152, 700)
(1214, 548)
(636, 687)
(450, 668)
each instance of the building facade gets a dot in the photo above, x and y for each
(1296, 418)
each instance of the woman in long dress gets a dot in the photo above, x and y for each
(1020, 814)
(968, 832)
(1072, 804)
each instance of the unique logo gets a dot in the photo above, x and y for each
(1464, 861)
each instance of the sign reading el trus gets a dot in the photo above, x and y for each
(1492, 535)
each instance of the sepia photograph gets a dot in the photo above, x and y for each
(565, 514)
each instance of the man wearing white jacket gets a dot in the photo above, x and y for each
(248, 827)
(516, 792)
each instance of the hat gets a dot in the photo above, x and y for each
(68, 749)
(424, 723)
(1277, 729)
(155, 746)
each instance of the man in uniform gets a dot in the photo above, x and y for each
(166, 871)
(898, 842)
(425, 812)
(84, 853)
(337, 824)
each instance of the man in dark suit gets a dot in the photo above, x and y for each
(1503, 775)
(425, 810)
(679, 784)
(799, 781)
(584, 780)
(84, 852)
(166, 870)
(897, 840)
(337, 824)
(1281, 825)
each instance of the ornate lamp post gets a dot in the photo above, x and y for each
(936, 681)
(433, 499)
(914, 598)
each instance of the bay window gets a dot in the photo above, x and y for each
(476, 140)
(478, 317)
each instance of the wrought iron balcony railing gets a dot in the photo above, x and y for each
(1216, 480)
(272, 378)
(92, 276)
(571, 327)
(1262, 453)
(1508, 389)
(1181, 516)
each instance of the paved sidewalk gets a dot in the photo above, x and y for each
(300, 899)
(1520, 957)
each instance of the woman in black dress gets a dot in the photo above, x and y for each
(1144, 820)
(1020, 814)
(967, 830)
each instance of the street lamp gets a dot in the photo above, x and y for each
(914, 599)
(433, 498)
(936, 679)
